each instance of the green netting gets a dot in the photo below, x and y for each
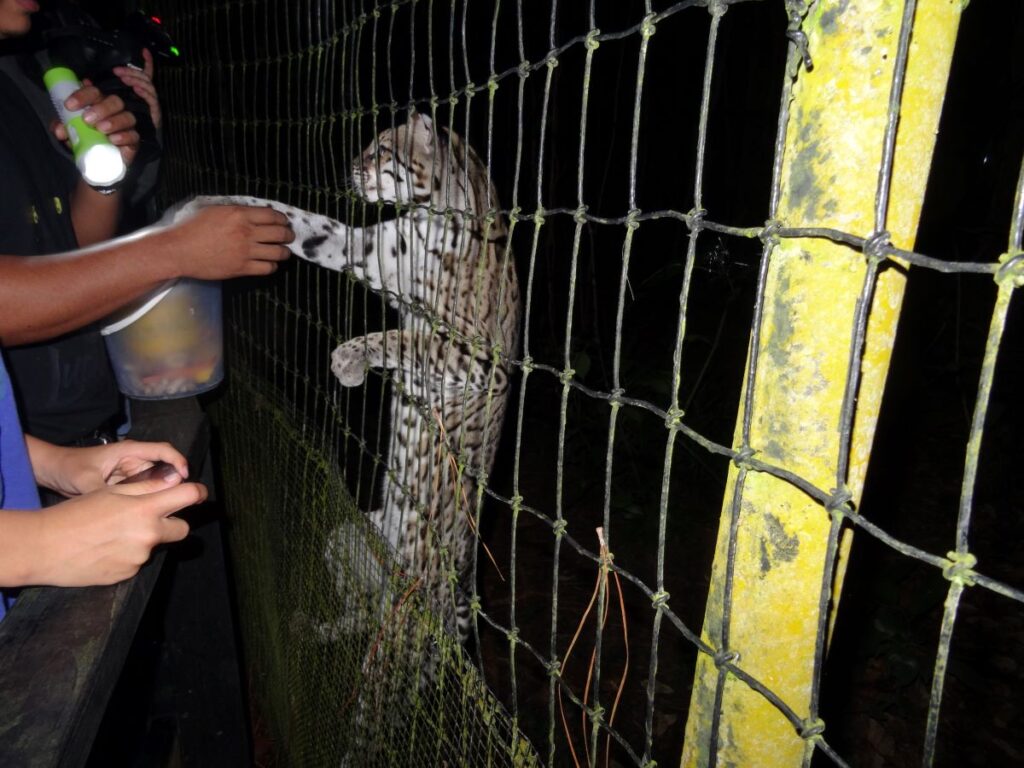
(326, 689)
(610, 425)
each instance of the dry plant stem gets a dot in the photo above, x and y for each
(606, 558)
(380, 636)
(602, 577)
(625, 669)
(465, 498)
(565, 664)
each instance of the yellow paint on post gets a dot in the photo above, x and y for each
(833, 153)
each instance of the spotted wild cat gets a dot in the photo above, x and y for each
(442, 262)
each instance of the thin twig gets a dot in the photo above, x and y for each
(380, 636)
(465, 497)
(565, 664)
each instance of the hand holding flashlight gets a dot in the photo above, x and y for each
(99, 161)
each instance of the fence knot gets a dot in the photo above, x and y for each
(554, 668)
(811, 728)
(743, 457)
(453, 100)
(1011, 268)
(695, 218)
(565, 376)
(492, 84)
(876, 247)
(770, 233)
(651, 764)
(839, 500)
(517, 503)
(434, 102)
(513, 636)
(596, 715)
(725, 657)
(718, 7)
(580, 215)
(538, 217)
(592, 42)
(659, 599)
(960, 569)
(631, 219)
(551, 61)
(674, 417)
(513, 215)
(527, 364)
(560, 528)
(524, 69)
(647, 27)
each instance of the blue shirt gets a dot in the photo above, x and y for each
(17, 483)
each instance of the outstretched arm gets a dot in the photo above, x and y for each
(46, 296)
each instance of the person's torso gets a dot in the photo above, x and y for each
(65, 386)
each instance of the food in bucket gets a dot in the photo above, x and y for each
(173, 349)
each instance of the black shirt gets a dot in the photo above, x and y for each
(65, 387)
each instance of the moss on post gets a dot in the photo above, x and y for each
(834, 144)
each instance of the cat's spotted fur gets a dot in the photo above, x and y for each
(443, 264)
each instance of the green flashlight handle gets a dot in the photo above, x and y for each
(60, 83)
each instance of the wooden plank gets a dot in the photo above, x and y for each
(61, 650)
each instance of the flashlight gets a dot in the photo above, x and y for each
(98, 160)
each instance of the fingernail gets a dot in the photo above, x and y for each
(89, 116)
(71, 103)
(169, 474)
(104, 126)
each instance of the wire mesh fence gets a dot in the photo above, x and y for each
(637, 150)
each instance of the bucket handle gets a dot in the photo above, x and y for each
(151, 302)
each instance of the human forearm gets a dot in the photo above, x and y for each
(94, 216)
(47, 296)
(99, 538)
(21, 537)
(44, 458)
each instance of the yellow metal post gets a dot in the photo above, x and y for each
(833, 152)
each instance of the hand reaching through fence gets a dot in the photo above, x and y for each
(225, 241)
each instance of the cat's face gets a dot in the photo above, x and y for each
(399, 165)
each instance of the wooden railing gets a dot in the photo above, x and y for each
(62, 650)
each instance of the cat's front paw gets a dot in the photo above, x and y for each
(349, 363)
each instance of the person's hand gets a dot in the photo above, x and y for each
(141, 82)
(105, 113)
(105, 536)
(75, 471)
(224, 241)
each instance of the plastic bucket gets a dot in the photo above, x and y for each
(171, 345)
